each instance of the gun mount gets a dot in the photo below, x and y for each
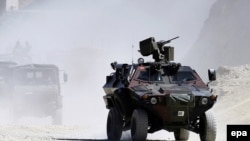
(157, 49)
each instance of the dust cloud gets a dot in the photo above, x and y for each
(84, 37)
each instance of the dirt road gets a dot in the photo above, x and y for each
(232, 86)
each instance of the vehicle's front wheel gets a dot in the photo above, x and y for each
(114, 125)
(139, 125)
(57, 117)
(181, 134)
(208, 127)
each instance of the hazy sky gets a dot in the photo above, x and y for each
(111, 24)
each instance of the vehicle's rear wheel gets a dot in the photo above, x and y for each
(139, 125)
(57, 117)
(114, 125)
(181, 134)
(208, 127)
(15, 115)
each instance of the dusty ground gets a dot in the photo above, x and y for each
(233, 105)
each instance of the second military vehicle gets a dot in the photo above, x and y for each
(36, 91)
(150, 96)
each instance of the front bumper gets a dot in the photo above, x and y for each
(177, 108)
(36, 104)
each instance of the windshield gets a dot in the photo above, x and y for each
(159, 76)
(183, 76)
(35, 77)
(150, 75)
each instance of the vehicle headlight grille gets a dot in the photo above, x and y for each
(153, 100)
(204, 100)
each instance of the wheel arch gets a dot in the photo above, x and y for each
(123, 101)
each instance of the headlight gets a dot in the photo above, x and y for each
(204, 101)
(140, 61)
(153, 100)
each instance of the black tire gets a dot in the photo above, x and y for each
(208, 127)
(139, 125)
(114, 125)
(181, 134)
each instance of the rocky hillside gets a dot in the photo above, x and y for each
(225, 36)
(225, 41)
(232, 88)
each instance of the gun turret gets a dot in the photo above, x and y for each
(157, 49)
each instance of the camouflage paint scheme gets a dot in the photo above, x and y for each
(172, 95)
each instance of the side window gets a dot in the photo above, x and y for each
(131, 73)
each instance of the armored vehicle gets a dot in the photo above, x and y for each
(150, 96)
(36, 91)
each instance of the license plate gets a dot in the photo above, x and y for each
(180, 113)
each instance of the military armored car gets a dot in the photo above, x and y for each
(150, 96)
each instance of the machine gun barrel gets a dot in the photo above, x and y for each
(168, 41)
(157, 49)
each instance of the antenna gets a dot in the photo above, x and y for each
(132, 49)
(132, 54)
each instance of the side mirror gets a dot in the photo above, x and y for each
(113, 65)
(65, 77)
(211, 74)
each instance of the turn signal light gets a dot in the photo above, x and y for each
(145, 97)
(213, 97)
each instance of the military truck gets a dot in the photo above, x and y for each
(150, 96)
(36, 91)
